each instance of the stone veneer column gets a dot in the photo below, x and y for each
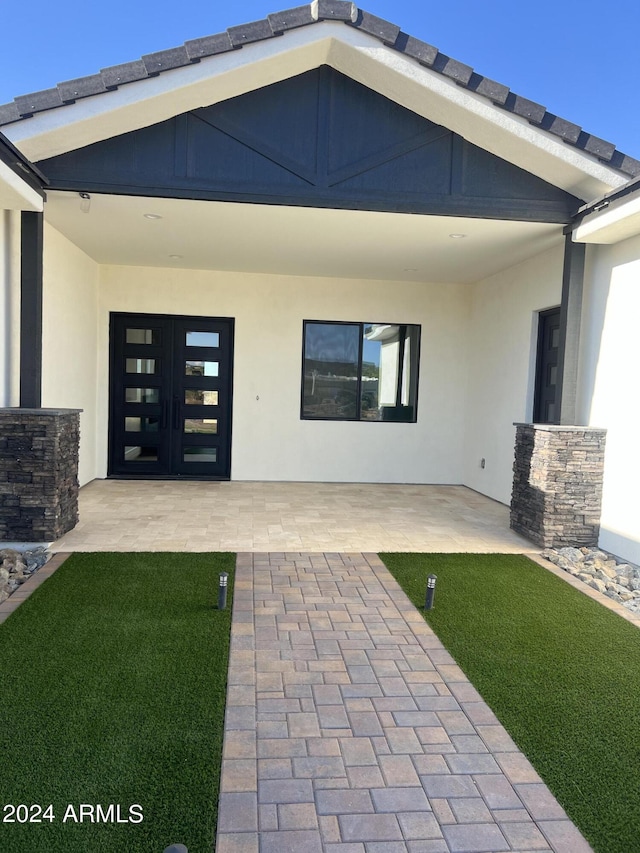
(557, 484)
(38, 473)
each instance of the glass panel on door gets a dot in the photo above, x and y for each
(143, 336)
(203, 339)
(198, 397)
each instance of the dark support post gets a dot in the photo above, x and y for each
(31, 244)
(570, 315)
(222, 591)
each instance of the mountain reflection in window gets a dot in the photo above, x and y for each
(332, 355)
(360, 371)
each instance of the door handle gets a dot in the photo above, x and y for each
(176, 413)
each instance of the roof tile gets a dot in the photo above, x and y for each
(598, 147)
(36, 101)
(416, 49)
(496, 92)
(208, 46)
(378, 27)
(457, 71)
(625, 163)
(82, 87)
(300, 16)
(566, 130)
(248, 33)
(163, 60)
(520, 106)
(127, 72)
(336, 10)
(9, 112)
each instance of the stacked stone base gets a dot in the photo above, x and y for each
(38, 473)
(557, 484)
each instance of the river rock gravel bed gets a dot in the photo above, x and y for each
(611, 576)
(17, 566)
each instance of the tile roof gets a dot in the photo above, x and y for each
(276, 25)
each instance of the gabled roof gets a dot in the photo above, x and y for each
(275, 25)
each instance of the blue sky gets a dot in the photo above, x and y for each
(579, 58)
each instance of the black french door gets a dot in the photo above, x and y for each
(170, 396)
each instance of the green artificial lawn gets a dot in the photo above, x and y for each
(560, 671)
(112, 692)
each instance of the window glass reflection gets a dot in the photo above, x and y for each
(135, 424)
(201, 425)
(201, 368)
(141, 365)
(142, 395)
(331, 355)
(140, 454)
(203, 339)
(196, 397)
(363, 371)
(200, 454)
(143, 336)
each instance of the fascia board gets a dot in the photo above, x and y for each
(611, 225)
(15, 194)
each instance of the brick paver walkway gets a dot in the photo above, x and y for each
(350, 729)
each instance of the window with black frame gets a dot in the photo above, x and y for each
(360, 371)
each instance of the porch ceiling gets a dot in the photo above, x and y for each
(294, 240)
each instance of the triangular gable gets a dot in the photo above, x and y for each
(318, 139)
(289, 42)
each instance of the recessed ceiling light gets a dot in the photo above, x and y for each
(176, 257)
(410, 269)
(457, 236)
(152, 216)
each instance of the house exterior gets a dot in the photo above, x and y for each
(315, 248)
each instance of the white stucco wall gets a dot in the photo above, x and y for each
(608, 385)
(502, 344)
(270, 442)
(69, 323)
(9, 307)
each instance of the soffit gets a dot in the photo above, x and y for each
(611, 225)
(294, 241)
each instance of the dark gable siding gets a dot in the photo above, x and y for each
(318, 140)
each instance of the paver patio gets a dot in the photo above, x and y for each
(350, 729)
(127, 515)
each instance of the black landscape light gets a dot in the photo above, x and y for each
(431, 591)
(176, 848)
(222, 591)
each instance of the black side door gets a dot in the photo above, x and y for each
(544, 404)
